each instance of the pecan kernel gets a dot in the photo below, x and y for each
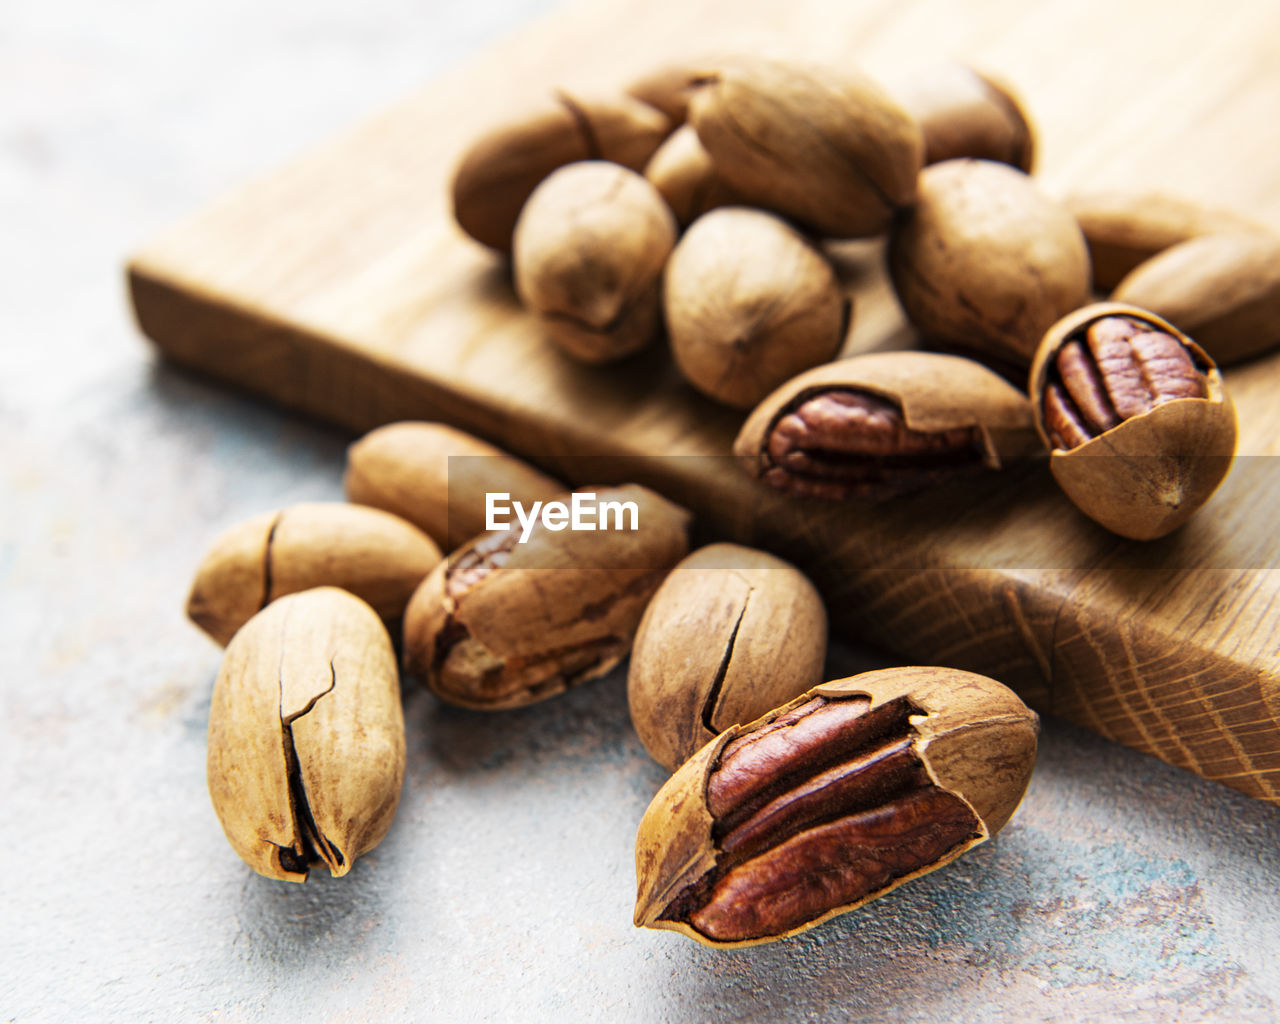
(1115, 369)
(822, 807)
(853, 444)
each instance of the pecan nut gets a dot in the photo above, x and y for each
(500, 170)
(306, 735)
(880, 425)
(1141, 428)
(503, 623)
(373, 554)
(831, 800)
(1222, 289)
(731, 633)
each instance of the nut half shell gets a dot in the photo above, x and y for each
(830, 801)
(1147, 475)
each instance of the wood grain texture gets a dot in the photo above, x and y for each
(339, 286)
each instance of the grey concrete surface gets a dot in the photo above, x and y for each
(1123, 889)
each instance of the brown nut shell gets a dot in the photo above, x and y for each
(965, 113)
(682, 172)
(863, 783)
(306, 735)
(670, 86)
(588, 255)
(749, 303)
(500, 170)
(1223, 290)
(826, 147)
(1124, 229)
(376, 556)
(502, 624)
(1145, 476)
(732, 633)
(986, 260)
(934, 405)
(406, 469)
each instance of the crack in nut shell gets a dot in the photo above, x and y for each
(1141, 426)
(306, 748)
(375, 555)
(829, 801)
(731, 633)
(884, 424)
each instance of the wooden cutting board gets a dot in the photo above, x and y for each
(339, 286)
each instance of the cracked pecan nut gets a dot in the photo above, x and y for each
(588, 255)
(985, 260)
(749, 303)
(825, 147)
(964, 113)
(1141, 429)
(730, 634)
(500, 170)
(1124, 229)
(306, 735)
(830, 801)
(376, 556)
(884, 424)
(1222, 289)
(436, 477)
(502, 624)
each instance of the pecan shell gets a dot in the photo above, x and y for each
(502, 624)
(373, 554)
(1141, 428)
(730, 634)
(884, 424)
(436, 477)
(306, 735)
(499, 171)
(829, 801)
(1222, 289)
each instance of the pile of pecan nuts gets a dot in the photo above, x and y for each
(697, 206)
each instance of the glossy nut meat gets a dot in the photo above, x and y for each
(502, 624)
(986, 261)
(437, 477)
(588, 255)
(749, 303)
(964, 113)
(306, 735)
(1141, 427)
(829, 801)
(375, 555)
(884, 424)
(731, 633)
(500, 170)
(825, 147)
(1222, 289)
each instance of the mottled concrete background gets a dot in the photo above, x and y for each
(1124, 889)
